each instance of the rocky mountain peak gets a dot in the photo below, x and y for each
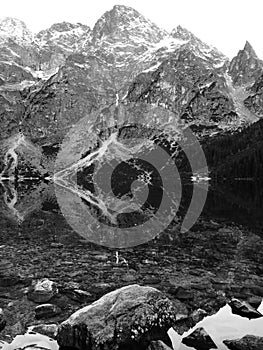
(181, 33)
(249, 49)
(246, 66)
(63, 27)
(199, 48)
(14, 29)
(124, 21)
(65, 36)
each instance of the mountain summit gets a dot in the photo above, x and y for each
(198, 47)
(246, 66)
(14, 29)
(66, 36)
(124, 21)
(249, 49)
(182, 33)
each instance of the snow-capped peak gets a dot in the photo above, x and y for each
(62, 28)
(198, 47)
(66, 35)
(15, 29)
(125, 21)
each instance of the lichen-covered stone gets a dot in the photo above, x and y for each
(127, 317)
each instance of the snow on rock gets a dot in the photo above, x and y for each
(15, 29)
(67, 36)
(125, 21)
(198, 47)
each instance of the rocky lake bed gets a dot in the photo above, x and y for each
(47, 274)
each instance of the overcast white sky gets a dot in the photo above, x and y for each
(226, 24)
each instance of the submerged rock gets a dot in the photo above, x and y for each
(199, 340)
(42, 291)
(185, 322)
(127, 318)
(158, 345)
(244, 309)
(254, 301)
(248, 342)
(2, 320)
(47, 311)
(50, 330)
(80, 295)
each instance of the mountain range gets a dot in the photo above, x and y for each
(52, 79)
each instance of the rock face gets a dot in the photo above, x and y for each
(254, 102)
(244, 309)
(18, 52)
(117, 21)
(246, 66)
(127, 318)
(199, 48)
(189, 85)
(199, 340)
(250, 342)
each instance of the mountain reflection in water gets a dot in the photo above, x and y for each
(236, 201)
(218, 258)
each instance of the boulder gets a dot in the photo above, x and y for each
(42, 291)
(199, 340)
(127, 318)
(244, 309)
(248, 342)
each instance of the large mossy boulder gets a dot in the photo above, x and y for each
(127, 318)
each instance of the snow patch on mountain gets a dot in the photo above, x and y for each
(42, 74)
